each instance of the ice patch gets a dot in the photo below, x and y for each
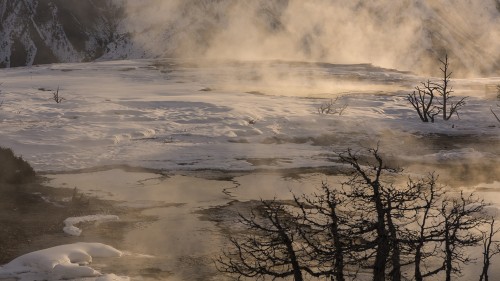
(457, 154)
(147, 133)
(120, 138)
(70, 222)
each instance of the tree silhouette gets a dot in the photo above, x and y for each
(268, 247)
(424, 98)
(448, 107)
(491, 248)
(366, 222)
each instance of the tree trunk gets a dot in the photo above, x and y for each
(418, 260)
(297, 272)
(339, 254)
(381, 259)
(383, 247)
(396, 254)
(445, 87)
(488, 240)
(448, 255)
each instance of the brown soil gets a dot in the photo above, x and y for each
(32, 215)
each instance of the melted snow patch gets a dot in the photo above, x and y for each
(458, 154)
(61, 263)
(70, 222)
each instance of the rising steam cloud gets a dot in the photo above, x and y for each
(406, 34)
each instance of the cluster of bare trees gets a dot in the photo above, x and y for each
(367, 228)
(332, 107)
(434, 98)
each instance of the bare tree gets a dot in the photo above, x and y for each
(461, 216)
(491, 248)
(269, 247)
(494, 114)
(56, 97)
(423, 101)
(368, 187)
(423, 98)
(332, 107)
(368, 222)
(385, 210)
(1, 102)
(328, 235)
(447, 106)
(427, 221)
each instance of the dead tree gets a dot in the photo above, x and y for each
(269, 247)
(494, 114)
(332, 107)
(328, 234)
(1, 102)
(56, 97)
(427, 221)
(491, 248)
(447, 106)
(423, 101)
(461, 216)
(367, 189)
(368, 222)
(385, 207)
(424, 98)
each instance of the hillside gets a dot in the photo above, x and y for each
(48, 31)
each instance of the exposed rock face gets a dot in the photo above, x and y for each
(47, 31)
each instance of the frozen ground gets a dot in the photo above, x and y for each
(260, 117)
(232, 116)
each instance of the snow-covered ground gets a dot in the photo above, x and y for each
(177, 115)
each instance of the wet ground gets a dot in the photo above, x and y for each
(172, 226)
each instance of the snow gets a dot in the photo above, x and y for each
(71, 229)
(154, 113)
(65, 262)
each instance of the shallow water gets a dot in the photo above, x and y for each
(182, 240)
(182, 243)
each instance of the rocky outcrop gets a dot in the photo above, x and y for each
(47, 31)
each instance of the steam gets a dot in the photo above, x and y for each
(405, 35)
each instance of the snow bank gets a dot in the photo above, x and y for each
(70, 222)
(61, 262)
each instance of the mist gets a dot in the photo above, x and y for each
(405, 35)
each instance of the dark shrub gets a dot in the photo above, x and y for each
(14, 169)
